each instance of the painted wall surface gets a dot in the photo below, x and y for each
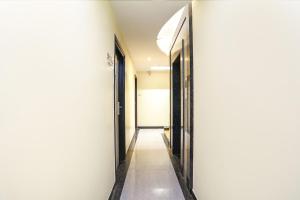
(56, 100)
(129, 100)
(247, 110)
(153, 99)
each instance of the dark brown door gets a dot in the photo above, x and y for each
(119, 83)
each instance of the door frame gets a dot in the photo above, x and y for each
(191, 40)
(135, 102)
(119, 135)
(188, 20)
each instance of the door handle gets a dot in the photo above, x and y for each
(118, 108)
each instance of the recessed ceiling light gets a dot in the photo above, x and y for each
(149, 59)
(160, 68)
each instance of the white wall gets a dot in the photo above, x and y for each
(129, 100)
(56, 100)
(247, 100)
(153, 99)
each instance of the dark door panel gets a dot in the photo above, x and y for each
(120, 149)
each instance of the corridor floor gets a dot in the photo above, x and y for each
(151, 175)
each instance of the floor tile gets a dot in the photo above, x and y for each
(151, 174)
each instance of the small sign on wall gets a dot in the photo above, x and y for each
(109, 60)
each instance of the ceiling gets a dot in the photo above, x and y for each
(140, 21)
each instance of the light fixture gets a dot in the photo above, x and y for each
(160, 68)
(149, 59)
(165, 35)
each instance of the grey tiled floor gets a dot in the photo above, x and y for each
(151, 175)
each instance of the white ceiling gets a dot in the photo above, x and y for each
(140, 21)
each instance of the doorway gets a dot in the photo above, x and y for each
(135, 102)
(119, 104)
(176, 100)
(181, 57)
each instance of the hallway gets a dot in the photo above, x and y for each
(150, 100)
(151, 174)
